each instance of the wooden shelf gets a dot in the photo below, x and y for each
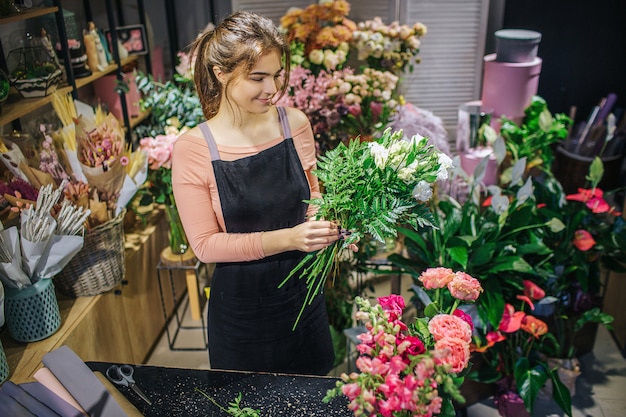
(28, 14)
(81, 82)
(16, 106)
(134, 121)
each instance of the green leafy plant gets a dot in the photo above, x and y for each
(489, 236)
(536, 135)
(167, 101)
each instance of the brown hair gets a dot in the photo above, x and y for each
(234, 46)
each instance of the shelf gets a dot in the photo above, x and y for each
(16, 106)
(81, 82)
(134, 121)
(28, 14)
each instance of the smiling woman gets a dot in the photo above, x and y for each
(240, 182)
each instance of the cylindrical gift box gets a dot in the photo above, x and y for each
(32, 313)
(508, 87)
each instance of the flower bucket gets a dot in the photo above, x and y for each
(99, 266)
(177, 238)
(510, 404)
(32, 313)
(4, 366)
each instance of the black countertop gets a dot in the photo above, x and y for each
(173, 392)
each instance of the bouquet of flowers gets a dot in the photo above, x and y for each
(369, 97)
(370, 188)
(159, 151)
(49, 235)
(309, 93)
(413, 370)
(319, 35)
(391, 47)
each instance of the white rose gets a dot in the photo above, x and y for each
(316, 56)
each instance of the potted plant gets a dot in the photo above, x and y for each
(512, 350)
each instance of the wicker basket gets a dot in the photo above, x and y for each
(99, 266)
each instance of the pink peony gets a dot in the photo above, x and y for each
(448, 326)
(434, 278)
(459, 352)
(464, 287)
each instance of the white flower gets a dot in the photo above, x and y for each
(406, 173)
(380, 154)
(445, 164)
(316, 56)
(422, 191)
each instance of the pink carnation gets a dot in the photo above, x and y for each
(464, 287)
(393, 304)
(459, 352)
(448, 326)
(463, 315)
(434, 278)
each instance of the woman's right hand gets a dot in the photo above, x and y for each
(314, 235)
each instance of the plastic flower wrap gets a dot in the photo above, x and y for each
(371, 188)
(50, 234)
(392, 47)
(319, 35)
(409, 370)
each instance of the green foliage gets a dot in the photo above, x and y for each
(534, 138)
(234, 407)
(166, 101)
(498, 241)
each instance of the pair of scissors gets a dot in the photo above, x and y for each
(123, 375)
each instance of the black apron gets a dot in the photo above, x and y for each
(250, 319)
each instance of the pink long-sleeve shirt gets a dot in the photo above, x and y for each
(198, 202)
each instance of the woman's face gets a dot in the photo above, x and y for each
(253, 92)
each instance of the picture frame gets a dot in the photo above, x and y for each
(132, 37)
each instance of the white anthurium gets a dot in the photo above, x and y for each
(525, 192)
(518, 171)
(481, 169)
(555, 225)
(499, 149)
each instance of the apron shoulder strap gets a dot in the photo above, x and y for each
(284, 122)
(208, 136)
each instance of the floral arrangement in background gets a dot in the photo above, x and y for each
(390, 181)
(415, 369)
(319, 35)
(392, 47)
(159, 151)
(369, 97)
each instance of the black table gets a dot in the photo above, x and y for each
(173, 392)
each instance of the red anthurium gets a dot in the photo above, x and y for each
(533, 290)
(527, 300)
(585, 195)
(598, 205)
(492, 339)
(487, 201)
(534, 326)
(511, 319)
(583, 240)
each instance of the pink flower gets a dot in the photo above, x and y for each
(459, 352)
(448, 326)
(583, 240)
(434, 278)
(464, 287)
(464, 316)
(416, 346)
(351, 390)
(533, 291)
(393, 304)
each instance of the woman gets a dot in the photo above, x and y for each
(239, 181)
